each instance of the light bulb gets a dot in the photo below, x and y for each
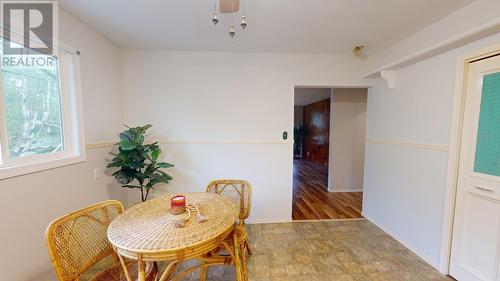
(215, 20)
(243, 22)
(231, 31)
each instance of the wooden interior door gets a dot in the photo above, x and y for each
(476, 229)
(317, 124)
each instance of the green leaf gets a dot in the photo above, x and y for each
(165, 175)
(152, 146)
(126, 144)
(131, 186)
(123, 152)
(139, 139)
(141, 130)
(146, 127)
(155, 153)
(116, 164)
(162, 177)
(123, 177)
(128, 135)
(165, 165)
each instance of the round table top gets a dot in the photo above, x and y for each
(149, 227)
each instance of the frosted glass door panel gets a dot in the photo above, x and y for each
(487, 159)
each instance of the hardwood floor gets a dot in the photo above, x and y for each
(312, 201)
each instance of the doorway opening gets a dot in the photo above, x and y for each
(329, 148)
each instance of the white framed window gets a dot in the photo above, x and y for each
(41, 124)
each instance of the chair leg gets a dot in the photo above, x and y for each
(244, 262)
(247, 247)
(167, 273)
(141, 268)
(203, 274)
(124, 267)
(237, 261)
(203, 271)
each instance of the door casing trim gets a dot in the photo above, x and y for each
(456, 131)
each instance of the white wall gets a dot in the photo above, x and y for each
(227, 112)
(404, 185)
(469, 23)
(30, 202)
(348, 139)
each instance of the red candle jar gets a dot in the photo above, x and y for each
(178, 204)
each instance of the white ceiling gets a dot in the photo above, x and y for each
(283, 26)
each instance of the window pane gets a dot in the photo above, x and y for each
(32, 104)
(488, 135)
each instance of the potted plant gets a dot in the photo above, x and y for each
(299, 134)
(138, 162)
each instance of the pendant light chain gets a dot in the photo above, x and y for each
(244, 17)
(215, 19)
(232, 30)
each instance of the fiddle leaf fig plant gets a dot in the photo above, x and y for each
(137, 162)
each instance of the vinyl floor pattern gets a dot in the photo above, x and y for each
(312, 201)
(342, 250)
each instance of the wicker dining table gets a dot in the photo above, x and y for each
(147, 232)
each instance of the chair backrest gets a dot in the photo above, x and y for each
(79, 240)
(239, 191)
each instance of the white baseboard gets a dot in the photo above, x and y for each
(404, 243)
(323, 220)
(290, 220)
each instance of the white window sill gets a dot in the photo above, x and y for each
(20, 170)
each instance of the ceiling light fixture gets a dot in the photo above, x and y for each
(230, 7)
(358, 50)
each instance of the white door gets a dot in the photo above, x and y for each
(476, 230)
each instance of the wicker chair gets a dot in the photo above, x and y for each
(78, 243)
(240, 192)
